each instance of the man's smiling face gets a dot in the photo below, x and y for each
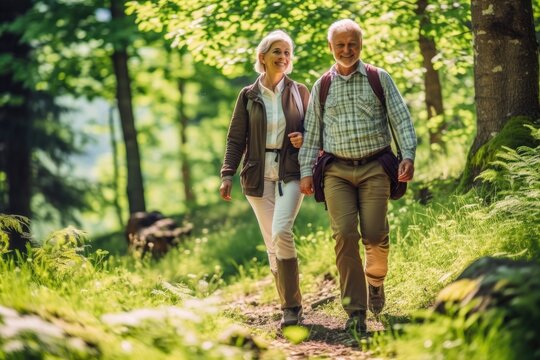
(345, 46)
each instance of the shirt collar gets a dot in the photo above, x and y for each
(360, 68)
(279, 88)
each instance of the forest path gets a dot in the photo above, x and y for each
(327, 338)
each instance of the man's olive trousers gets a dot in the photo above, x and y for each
(357, 200)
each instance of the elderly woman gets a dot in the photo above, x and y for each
(266, 129)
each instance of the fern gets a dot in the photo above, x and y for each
(13, 223)
(516, 170)
(61, 255)
(516, 175)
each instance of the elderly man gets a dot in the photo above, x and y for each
(356, 186)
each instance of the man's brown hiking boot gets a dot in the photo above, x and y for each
(356, 324)
(376, 299)
(291, 316)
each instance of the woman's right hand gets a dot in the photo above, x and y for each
(225, 189)
(296, 139)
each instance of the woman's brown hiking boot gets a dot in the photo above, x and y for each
(291, 316)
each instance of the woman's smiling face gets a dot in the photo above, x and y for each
(277, 58)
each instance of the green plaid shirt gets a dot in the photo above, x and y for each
(355, 129)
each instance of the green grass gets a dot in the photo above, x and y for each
(114, 306)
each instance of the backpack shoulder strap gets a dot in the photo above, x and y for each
(326, 81)
(298, 99)
(375, 83)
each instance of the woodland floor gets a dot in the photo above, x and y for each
(327, 338)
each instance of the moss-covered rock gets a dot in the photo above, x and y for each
(513, 135)
(492, 288)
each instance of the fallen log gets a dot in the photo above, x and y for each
(152, 232)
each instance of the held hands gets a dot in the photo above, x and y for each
(406, 170)
(225, 190)
(296, 139)
(306, 185)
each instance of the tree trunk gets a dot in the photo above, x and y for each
(432, 83)
(16, 122)
(116, 167)
(505, 65)
(135, 187)
(186, 170)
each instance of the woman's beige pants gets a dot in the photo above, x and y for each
(276, 215)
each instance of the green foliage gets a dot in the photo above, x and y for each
(516, 169)
(515, 133)
(508, 226)
(114, 243)
(8, 224)
(224, 34)
(35, 115)
(61, 304)
(506, 329)
(226, 236)
(296, 334)
(66, 33)
(516, 178)
(209, 35)
(122, 306)
(58, 194)
(61, 255)
(436, 336)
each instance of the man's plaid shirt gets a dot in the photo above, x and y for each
(355, 124)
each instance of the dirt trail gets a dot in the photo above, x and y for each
(327, 338)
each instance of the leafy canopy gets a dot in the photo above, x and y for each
(224, 34)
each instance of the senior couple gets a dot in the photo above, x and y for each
(277, 128)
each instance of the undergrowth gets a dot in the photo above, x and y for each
(67, 299)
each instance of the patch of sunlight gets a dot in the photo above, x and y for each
(295, 334)
(135, 317)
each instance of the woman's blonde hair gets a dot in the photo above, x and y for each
(266, 43)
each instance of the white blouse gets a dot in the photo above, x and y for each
(275, 127)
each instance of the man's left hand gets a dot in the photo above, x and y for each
(406, 170)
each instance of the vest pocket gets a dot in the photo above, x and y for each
(250, 176)
(292, 167)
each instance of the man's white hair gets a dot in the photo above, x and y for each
(344, 25)
(266, 43)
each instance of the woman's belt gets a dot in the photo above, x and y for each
(275, 151)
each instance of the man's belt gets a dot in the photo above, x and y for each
(364, 160)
